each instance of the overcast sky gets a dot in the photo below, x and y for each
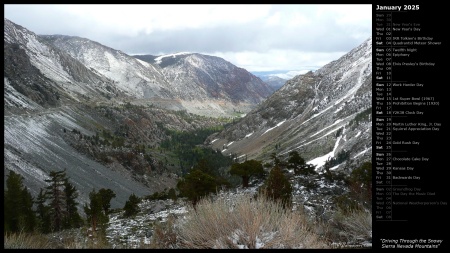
(255, 37)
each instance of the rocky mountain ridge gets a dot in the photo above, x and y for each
(319, 114)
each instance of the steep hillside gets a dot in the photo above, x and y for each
(320, 114)
(197, 83)
(209, 82)
(37, 75)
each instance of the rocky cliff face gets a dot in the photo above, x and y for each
(320, 114)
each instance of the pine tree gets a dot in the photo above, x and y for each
(131, 206)
(172, 194)
(29, 216)
(72, 218)
(94, 211)
(276, 160)
(55, 193)
(18, 204)
(196, 184)
(277, 187)
(298, 164)
(43, 213)
(106, 195)
(246, 170)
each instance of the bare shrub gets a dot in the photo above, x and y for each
(246, 223)
(164, 236)
(351, 227)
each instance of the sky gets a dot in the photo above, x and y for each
(290, 38)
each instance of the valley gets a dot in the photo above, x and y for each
(144, 125)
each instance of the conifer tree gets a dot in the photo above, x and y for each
(94, 211)
(361, 181)
(196, 184)
(277, 187)
(72, 218)
(246, 170)
(106, 195)
(298, 164)
(172, 194)
(55, 193)
(18, 204)
(43, 213)
(131, 206)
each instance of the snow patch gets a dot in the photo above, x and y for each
(158, 59)
(362, 152)
(279, 124)
(320, 161)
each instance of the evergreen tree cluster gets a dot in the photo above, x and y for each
(99, 207)
(187, 147)
(17, 203)
(56, 205)
(201, 181)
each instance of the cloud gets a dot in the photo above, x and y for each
(254, 36)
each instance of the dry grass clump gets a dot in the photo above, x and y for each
(25, 241)
(59, 240)
(247, 223)
(351, 227)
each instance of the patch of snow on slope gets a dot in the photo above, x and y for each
(25, 134)
(248, 135)
(362, 152)
(320, 161)
(355, 88)
(159, 58)
(330, 132)
(317, 114)
(279, 124)
(14, 98)
(336, 122)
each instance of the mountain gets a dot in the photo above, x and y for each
(198, 83)
(38, 75)
(71, 103)
(322, 114)
(197, 77)
(274, 81)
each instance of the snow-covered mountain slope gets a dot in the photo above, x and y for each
(34, 145)
(79, 68)
(217, 78)
(319, 114)
(130, 75)
(210, 82)
(44, 74)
